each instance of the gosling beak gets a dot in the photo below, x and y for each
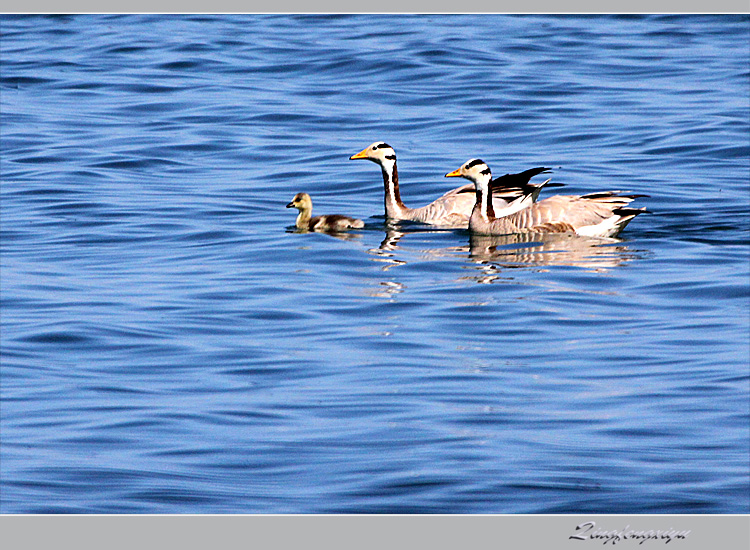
(290, 205)
(361, 155)
(455, 174)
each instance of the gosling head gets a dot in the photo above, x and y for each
(475, 170)
(379, 152)
(301, 201)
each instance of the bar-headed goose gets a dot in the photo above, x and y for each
(328, 223)
(511, 193)
(595, 215)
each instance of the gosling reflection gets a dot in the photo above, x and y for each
(340, 235)
(555, 249)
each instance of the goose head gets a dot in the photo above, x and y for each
(379, 152)
(301, 201)
(475, 170)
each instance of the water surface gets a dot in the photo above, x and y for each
(171, 345)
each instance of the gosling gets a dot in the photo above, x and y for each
(330, 223)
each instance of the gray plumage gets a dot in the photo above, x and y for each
(454, 208)
(602, 214)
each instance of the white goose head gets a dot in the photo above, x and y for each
(475, 170)
(384, 155)
(379, 152)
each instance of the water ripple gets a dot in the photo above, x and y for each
(172, 345)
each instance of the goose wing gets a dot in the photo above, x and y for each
(571, 212)
(520, 180)
(511, 186)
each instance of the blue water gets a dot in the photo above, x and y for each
(171, 345)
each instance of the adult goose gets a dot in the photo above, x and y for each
(511, 193)
(329, 223)
(601, 214)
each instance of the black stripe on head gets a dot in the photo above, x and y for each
(381, 146)
(486, 171)
(391, 157)
(473, 163)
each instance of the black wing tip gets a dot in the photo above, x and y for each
(630, 211)
(531, 172)
(520, 179)
(613, 194)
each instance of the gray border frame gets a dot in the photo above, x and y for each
(373, 532)
(478, 532)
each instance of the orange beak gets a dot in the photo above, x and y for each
(361, 155)
(455, 174)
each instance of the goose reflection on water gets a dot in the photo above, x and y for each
(492, 255)
(550, 249)
(393, 235)
(518, 250)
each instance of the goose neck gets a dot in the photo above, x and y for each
(484, 202)
(394, 206)
(303, 218)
